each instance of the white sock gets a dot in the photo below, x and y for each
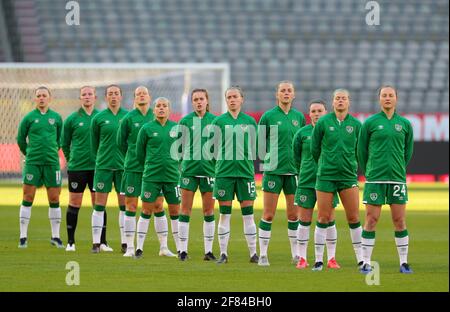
(162, 229)
(331, 241)
(223, 232)
(356, 241)
(129, 229)
(264, 237)
(174, 226)
(367, 245)
(141, 233)
(402, 248)
(320, 234)
(54, 214)
(183, 235)
(292, 234)
(302, 240)
(97, 225)
(250, 233)
(123, 240)
(208, 235)
(24, 219)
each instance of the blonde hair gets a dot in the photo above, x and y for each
(342, 91)
(134, 93)
(163, 99)
(287, 82)
(141, 87)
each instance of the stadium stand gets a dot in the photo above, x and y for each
(320, 45)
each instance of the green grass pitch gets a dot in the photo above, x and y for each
(42, 267)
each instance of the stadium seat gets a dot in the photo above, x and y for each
(329, 44)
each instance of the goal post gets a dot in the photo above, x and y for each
(171, 80)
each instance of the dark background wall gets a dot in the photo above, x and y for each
(429, 158)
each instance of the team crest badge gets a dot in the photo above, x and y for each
(155, 134)
(81, 124)
(373, 196)
(295, 123)
(130, 189)
(74, 185)
(147, 194)
(136, 124)
(29, 177)
(185, 181)
(36, 121)
(271, 184)
(331, 128)
(380, 127)
(100, 185)
(51, 121)
(398, 127)
(244, 127)
(221, 193)
(173, 134)
(303, 198)
(279, 123)
(349, 129)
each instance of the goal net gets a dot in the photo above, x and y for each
(173, 81)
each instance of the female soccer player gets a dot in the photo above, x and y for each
(76, 145)
(132, 175)
(234, 171)
(305, 196)
(196, 172)
(384, 149)
(108, 164)
(333, 147)
(42, 127)
(154, 151)
(279, 170)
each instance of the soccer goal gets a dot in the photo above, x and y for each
(171, 80)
